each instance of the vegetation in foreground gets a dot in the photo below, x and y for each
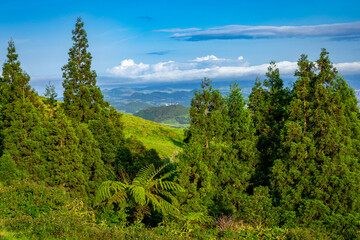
(283, 164)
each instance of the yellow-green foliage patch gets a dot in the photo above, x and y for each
(166, 140)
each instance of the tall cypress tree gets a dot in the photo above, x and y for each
(50, 97)
(64, 155)
(92, 165)
(83, 100)
(21, 128)
(206, 109)
(268, 103)
(317, 177)
(240, 156)
(108, 132)
(199, 162)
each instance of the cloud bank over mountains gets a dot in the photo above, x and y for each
(208, 66)
(335, 32)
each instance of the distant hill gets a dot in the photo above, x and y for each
(165, 140)
(157, 97)
(172, 115)
(117, 92)
(133, 107)
(119, 97)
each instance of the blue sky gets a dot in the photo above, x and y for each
(155, 41)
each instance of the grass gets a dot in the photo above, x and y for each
(6, 235)
(166, 140)
(172, 122)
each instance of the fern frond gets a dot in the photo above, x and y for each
(119, 197)
(168, 195)
(156, 172)
(168, 174)
(124, 176)
(161, 205)
(143, 175)
(143, 209)
(153, 199)
(150, 184)
(138, 194)
(107, 190)
(168, 185)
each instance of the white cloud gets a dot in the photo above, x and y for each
(207, 58)
(338, 31)
(164, 66)
(348, 68)
(209, 66)
(129, 68)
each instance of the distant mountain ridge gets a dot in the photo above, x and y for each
(154, 98)
(124, 99)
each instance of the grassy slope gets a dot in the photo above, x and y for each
(166, 140)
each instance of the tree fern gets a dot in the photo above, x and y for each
(143, 192)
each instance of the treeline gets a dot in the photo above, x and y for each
(78, 143)
(286, 158)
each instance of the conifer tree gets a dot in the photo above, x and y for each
(352, 113)
(50, 95)
(21, 126)
(83, 100)
(108, 132)
(205, 112)
(15, 82)
(240, 154)
(198, 164)
(268, 103)
(93, 166)
(64, 155)
(317, 177)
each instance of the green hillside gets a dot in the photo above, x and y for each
(166, 140)
(173, 115)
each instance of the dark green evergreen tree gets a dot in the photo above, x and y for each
(317, 177)
(64, 155)
(83, 100)
(268, 103)
(108, 132)
(21, 126)
(199, 162)
(240, 154)
(50, 96)
(93, 166)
